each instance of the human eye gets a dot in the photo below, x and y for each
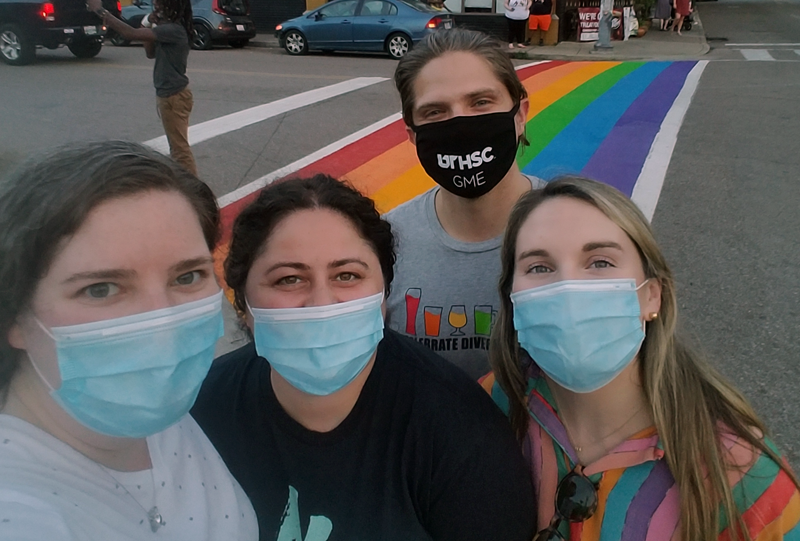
(288, 280)
(190, 278)
(601, 264)
(101, 290)
(538, 268)
(347, 277)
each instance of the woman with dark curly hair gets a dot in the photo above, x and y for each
(337, 428)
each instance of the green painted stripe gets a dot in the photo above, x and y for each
(750, 488)
(542, 128)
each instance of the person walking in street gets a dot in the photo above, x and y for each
(517, 12)
(631, 434)
(683, 9)
(540, 19)
(465, 110)
(168, 41)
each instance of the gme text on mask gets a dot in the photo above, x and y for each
(466, 163)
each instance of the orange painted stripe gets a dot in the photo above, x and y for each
(377, 173)
(550, 86)
(591, 528)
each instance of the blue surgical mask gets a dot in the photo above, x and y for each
(319, 349)
(581, 333)
(136, 375)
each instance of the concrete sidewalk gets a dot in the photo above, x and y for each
(653, 45)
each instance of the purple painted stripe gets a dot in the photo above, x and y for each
(645, 503)
(620, 157)
(548, 420)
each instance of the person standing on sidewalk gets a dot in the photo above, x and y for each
(168, 42)
(683, 9)
(517, 17)
(540, 18)
(465, 111)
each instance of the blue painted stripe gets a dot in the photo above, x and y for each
(620, 157)
(620, 499)
(571, 150)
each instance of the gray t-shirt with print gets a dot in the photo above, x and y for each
(444, 293)
(172, 54)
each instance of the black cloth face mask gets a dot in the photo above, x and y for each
(468, 155)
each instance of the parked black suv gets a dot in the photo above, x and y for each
(26, 24)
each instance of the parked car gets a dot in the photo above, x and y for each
(27, 24)
(215, 21)
(393, 26)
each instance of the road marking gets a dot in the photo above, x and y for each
(756, 54)
(235, 121)
(269, 178)
(797, 51)
(648, 186)
(762, 45)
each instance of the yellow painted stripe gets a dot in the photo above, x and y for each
(380, 171)
(408, 185)
(561, 86)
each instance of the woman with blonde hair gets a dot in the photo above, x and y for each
(630, 434)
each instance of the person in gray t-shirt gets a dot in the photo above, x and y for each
(166, 34)
(465, 110)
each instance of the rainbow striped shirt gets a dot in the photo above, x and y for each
(638, 497)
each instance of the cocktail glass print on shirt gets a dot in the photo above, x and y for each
(446, 329)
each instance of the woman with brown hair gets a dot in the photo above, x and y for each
(630, 434)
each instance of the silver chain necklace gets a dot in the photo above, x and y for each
(153, 515)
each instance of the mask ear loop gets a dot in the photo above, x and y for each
(33, 363)
(644, 321)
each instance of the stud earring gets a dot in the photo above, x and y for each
(653, 315)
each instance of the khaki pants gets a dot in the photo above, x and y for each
(174, 112)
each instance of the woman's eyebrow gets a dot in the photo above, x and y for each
(590, 246)
(533, 253)
(288, 264)
(342, 262)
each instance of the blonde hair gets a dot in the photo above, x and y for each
(690, 401)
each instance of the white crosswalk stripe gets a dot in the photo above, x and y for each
(757, 54)
(797, 52)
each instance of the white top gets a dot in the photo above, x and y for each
(519, 10)
(49, 491)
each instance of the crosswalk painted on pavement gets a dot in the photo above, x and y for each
(767, 52)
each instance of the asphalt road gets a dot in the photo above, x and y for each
(727, 215)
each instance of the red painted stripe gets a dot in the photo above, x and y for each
(768, 507)
(530, 71)
(337, 165)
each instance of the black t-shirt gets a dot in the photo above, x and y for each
(424, 454)
(541, 7)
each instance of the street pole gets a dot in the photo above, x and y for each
(603, 42)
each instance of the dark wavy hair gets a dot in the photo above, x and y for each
(49, 197)
(256, 222)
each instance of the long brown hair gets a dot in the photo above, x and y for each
(689, 400)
